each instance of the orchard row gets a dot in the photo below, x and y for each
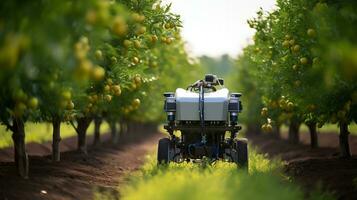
(75, 61)
(302, 68)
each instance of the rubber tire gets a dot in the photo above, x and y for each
(242, 152)
(163, 153)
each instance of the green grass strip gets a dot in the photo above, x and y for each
(221, 180)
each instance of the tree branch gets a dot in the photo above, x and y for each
(8, 126)
(74, 126)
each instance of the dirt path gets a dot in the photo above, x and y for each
(76, 176)
(314, 167)
(44, 149)
(105, 168)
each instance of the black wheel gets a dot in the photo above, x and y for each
(163, 153)
(241, 153)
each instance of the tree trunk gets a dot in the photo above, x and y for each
(313, 135)
(114, 132)
(21, 157)
(83, 124)
(128, 128)
(97, 123)
(294, 132)
(123, 129)
(344, 145)
(276, 131)
(56, 139)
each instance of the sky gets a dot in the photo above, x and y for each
(216, 27)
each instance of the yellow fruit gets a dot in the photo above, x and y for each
(98, 73)
(113, 60)
(109, 81)
(136, 103)
(140, 30)
(282, 103)
(136, 60)
(98, 55)
(296, 48)
(116, 90)
(66, 94)
(119, 27)
(292, 42)
(269, 128)
(108, 97)
(132, 87)
(32, 103)
(137, 44)
(167, 26)
(264, 112)
(295, 67)
(311, 32)
(126, 111)
(95, 97)
(127, 43)
(303, 60)
(286, 43)
(90, 98)
(106, 88)
(137, 79)
(131, 108)
(153, 64)
(315, 60)
(287, 36)
(290, 106)
(70, 105)
(264, 127)
(136, 17)
(85, 66)
(153, 38)
(168, 41)
(163, 39)
(141, 18)
(91, 17)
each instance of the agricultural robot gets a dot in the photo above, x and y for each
(206, 115)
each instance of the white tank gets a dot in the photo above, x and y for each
(215, 105)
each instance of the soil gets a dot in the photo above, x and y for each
(106, 168)
(315, 169)
(77, 176)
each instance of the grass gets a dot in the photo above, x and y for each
(220, 180)
(42, 132)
